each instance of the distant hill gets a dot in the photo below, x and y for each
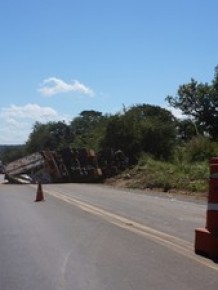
(4, 147)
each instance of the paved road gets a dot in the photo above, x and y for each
(164, 212)
(91, 237)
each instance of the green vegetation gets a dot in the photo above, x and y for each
(183, 177)
(11, 152)
(164, 152)
(141, 128)
(200, 102)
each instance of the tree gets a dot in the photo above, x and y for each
(88, 129)
(60, 135)
(199, 101)
(186, 130)
(122, 133)
(86, 121)
(142, 128)
(12, 152)
(52, 135)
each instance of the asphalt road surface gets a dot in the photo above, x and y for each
(92, 237)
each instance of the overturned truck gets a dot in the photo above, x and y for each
(66, 165)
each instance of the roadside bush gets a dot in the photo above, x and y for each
(184, 176)
(200, 149)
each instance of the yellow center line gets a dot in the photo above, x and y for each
(178, 245)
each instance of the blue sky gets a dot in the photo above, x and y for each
(60, 57)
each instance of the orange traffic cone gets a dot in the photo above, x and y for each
(39, 193)
(206, 239)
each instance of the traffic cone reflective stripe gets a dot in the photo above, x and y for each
(39, 193)
(212, 206)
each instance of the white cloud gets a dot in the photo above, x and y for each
(16, 122)
(29, 111)
(176, 112)
(53, 86)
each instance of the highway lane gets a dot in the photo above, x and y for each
(173, 215)
(61, 244)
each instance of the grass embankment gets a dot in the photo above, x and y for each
(186, 178)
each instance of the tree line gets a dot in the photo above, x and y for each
(139, 129)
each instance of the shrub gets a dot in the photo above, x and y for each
(200, 149)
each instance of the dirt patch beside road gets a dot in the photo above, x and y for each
(128, 182)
